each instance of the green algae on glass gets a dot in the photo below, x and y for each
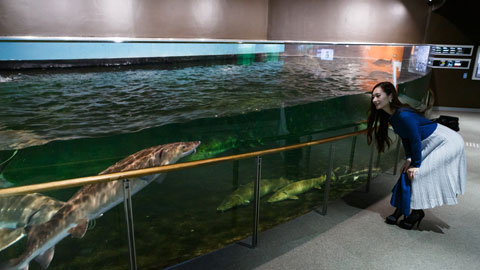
(213, 148)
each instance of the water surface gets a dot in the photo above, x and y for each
(41, 106)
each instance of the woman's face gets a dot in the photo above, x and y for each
(380, 99)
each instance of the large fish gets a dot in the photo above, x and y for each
(356, 175)
(244, 194)
(292, 190)
(19, 211)
(3, 182)
(93, 200)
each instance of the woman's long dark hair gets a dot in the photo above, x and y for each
(378, 119)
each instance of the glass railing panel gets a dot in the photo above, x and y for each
(295, 182)
(65, 159)
(416, 92)
(194, 211)
(351, 161)
(386, 160)
(103, 246)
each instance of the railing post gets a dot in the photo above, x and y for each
(377, 162)
(329, 178)
(352, 151)
(256, 205)
(397, 153)
(256, 213)
(307, 155)
(127, 205)
(370, 167)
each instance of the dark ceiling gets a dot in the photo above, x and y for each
(464, 14)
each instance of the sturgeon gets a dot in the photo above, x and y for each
(292, 190)
(3, 182)
(19, 211)
(244, 194)
(91, 201)
(360, 174)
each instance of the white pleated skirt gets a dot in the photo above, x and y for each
(443, 173)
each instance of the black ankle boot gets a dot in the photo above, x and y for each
(415, 217)
(393, 218)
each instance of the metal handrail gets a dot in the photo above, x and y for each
(75, 182)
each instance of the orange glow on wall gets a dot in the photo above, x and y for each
(380, 59)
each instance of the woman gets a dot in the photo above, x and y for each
(435, 156)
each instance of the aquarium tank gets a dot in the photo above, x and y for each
(64, 123)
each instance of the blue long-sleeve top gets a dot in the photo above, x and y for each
(412, 129)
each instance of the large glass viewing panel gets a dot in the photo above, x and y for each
(67, 123)
(187, 216)
(104, 245)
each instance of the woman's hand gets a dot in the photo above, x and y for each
(406, 165)
(411, 172)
